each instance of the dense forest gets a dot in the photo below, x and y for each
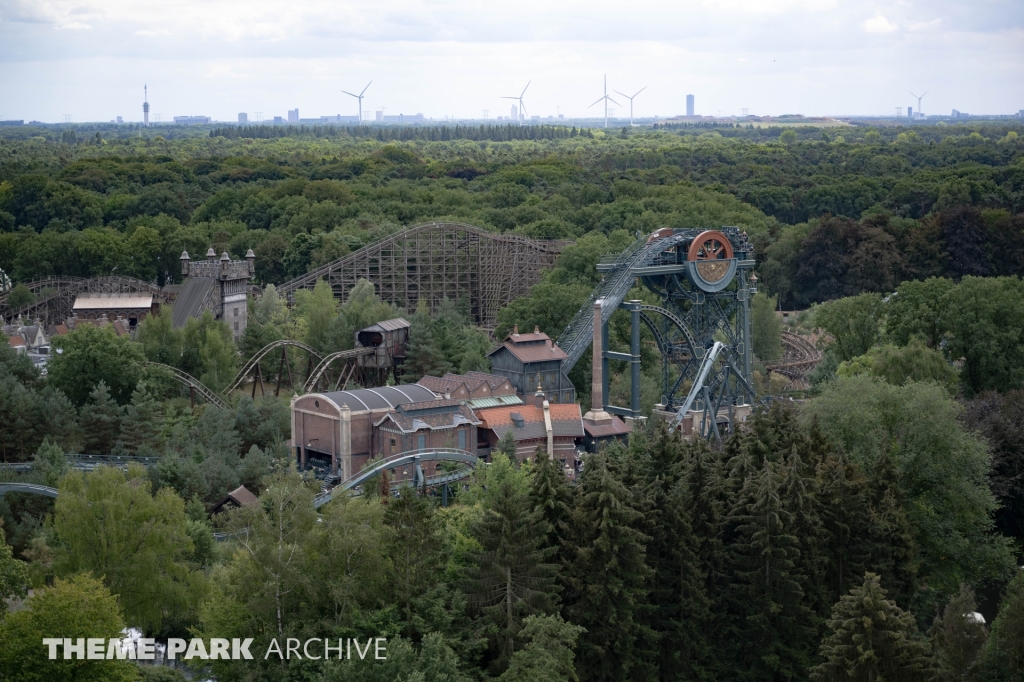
(870, 529)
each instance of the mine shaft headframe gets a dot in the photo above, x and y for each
(710, 261)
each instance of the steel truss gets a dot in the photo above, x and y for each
(433, 261)
(687, 324)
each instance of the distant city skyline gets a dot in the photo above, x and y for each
(90, 58)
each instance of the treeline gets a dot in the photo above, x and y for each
(434, 133)
(833, 257)
(665, 561)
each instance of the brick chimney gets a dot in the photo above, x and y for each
(597, 413)
(548, 429)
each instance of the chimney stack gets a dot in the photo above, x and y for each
(538, 397)
(597, 413)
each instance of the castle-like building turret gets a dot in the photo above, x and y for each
(218, 285)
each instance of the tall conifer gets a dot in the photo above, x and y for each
(871, 639)
(511, 576)
(770, 620)
(609, 576)
(100, 421)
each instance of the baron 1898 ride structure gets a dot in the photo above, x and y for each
(704, 280)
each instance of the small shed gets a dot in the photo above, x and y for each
(389, 338)
(239, 497)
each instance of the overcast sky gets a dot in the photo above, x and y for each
(90, 58)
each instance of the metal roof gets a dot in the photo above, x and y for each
(388, 325)
(105, 301)
(381, 398)
(494, 401)
(191, 300)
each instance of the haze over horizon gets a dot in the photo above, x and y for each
(90, 58)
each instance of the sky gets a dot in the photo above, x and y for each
(89, 59)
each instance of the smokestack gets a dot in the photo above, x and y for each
(597, 413)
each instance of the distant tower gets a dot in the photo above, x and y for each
(145, 104)
(515, 113)
(689, 105)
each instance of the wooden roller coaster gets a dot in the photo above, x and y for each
(799, 357)
(55, 296)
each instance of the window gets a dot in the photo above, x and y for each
(462, 439)
(236, 326)
(392, 445)
(236, 312)
(421, 441)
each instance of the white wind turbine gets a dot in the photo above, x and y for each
(360, 98)
(919, 100)
(630, 104)
(606, 99)
(522, 108)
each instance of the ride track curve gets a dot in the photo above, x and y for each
(413, 457)
(194, 385)
(799, 358)
(250, 366)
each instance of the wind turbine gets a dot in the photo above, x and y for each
(607, 99)
(360, 98)
(630, 104)
(919, 100)
(522, 109)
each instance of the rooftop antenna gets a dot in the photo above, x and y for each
(630, 104)
(607, 99)
(360, 98)
(522, 107)
(919, 101)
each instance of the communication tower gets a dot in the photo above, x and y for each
(145, 104)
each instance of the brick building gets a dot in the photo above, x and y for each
(336, 430)
(471, 386)
(556, 428)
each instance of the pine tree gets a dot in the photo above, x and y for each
(548, 653)
(412, 546)
(800, 498)
(706, 490)
(846, 518)
(608, 576)
(1004, 654)
(892, 549)
(770, 616)
(511, 576)
(50, 462)
(423, 355)
(957, 637)
(678, 596)
(551, 495)
(871, 639)
(100, 421)
(141, 423)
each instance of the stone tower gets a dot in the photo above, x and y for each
(217, 285)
